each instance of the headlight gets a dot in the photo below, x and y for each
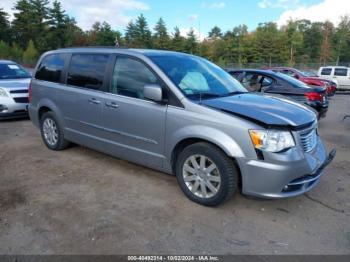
(271, 140)
(3, 92)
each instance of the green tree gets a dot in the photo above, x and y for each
(130, 34)
(58, 25)
(342, 40)
(16, 53)
(5, 29)
(191, 43)
(215, 32)
(177, 41)
(4, 50)
(21, 24)
(142, 33)
(30, 55)
(294, 40)
(161, 39)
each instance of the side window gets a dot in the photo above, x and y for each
(340, 71)
(252, 82)
(326, 71)
(130, 76)
(87, 70)
(50, 68)
(235, 74)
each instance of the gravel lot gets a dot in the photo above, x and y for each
(80, 201)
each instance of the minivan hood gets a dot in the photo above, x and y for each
(15, 83)
(264, 109)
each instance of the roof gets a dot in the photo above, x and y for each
(111, 49)
(7, 62)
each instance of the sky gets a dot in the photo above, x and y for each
(201, 15)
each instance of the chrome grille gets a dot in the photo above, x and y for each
(309, 140)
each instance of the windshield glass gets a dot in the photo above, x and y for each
(292, 80)
(309, 73)
(196, 77)
(13, 71)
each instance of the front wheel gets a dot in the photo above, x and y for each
(205, 174)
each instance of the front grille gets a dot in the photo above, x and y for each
(308, 140)
(20, 91)
(21, 99)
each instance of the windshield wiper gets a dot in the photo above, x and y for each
(233, 93)
(202, 95)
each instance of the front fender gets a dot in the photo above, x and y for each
(212, 135)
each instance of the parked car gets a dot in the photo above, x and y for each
(309, 78)
(179, 114)
(271, 82)
(339, 73)
(14, 82)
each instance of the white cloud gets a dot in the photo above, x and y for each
(86, 12)
(285, 4)
(330, 10)
(215, 5)
(193, 17)
(184, 32)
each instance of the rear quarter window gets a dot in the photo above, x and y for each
(51, 68)
(340, 72)
(326, 71)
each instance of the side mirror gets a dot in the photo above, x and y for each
(153, 92)
(296, 76)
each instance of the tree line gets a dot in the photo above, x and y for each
(39, 26)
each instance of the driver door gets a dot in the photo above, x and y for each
(134, 125)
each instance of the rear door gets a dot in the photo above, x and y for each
(342, 76)
(132, 123)
(83, 99)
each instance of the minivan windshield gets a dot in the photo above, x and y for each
(196, 77)
(13, 71)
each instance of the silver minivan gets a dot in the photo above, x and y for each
(179, 114)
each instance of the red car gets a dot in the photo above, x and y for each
(308, 78)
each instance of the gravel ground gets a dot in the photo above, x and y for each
(80, 201)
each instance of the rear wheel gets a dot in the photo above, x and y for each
(51, 132)
(206, 174)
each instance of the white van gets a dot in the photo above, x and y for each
(339, 73)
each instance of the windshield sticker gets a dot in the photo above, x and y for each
(13, 66)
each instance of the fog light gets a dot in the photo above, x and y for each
(3, 108)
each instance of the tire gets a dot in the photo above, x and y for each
(224, 178)
(59, 143)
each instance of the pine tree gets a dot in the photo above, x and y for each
(161, 39)
(5, 29)
(191, 44)
(142, 33)
(4, 50)
(130, 34)
(178, 41)
(30, 55)
(22, 23)
(215, 32)
(58, 25)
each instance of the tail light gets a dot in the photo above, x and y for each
(30, 92)
(313, 96)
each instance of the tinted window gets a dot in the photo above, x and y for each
(340, 72)
(50, 68)
(87, 70)
(130, 76)
(326, 71)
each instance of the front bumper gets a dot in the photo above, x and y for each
(292, 173)
(10, 109)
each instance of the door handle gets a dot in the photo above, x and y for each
(111, 105)
(94, 101)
